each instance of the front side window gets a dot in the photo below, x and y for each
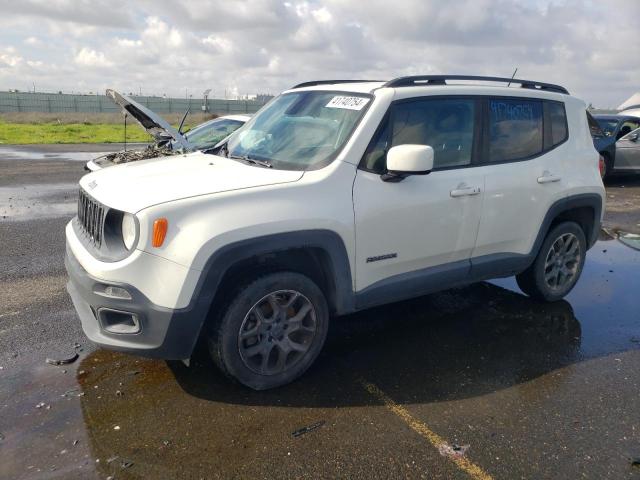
(446, 125)
(299, 130)
(515, 129)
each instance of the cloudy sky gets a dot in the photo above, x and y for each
(253, 46)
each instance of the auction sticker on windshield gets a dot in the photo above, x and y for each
(350, 103)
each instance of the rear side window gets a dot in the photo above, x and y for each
(558, 119)
(515, 129)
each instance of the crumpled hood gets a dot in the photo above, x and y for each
(130, 187)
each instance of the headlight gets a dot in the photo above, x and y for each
(128, 230)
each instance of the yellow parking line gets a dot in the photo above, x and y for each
(422, 429)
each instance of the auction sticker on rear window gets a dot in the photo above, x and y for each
(350, 103)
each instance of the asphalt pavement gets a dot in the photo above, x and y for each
(477, 382)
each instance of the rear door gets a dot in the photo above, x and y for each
(628, 152)
(422, 221)
(524, 150)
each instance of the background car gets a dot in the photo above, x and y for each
(606, 131)
(628, 152)
(168, 140)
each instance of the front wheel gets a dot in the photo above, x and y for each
(558, 265)
(272, 331)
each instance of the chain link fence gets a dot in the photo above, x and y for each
(62, 102)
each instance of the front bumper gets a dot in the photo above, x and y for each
(165, 333)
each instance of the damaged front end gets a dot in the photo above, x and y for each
(126, 156)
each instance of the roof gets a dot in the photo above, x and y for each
(239, 118)
(414, 81)
(357, 87)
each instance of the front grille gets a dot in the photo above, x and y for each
(91, 217)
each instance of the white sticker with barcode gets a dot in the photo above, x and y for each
(350, 103)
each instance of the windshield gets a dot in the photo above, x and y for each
(299, 130)
(608, 126)
(209, 134)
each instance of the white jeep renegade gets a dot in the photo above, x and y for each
(337, 196)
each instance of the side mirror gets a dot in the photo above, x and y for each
(405, 160)
(633, 137)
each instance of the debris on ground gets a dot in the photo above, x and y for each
(310, 428)
(63, 361)
(453, 450)
(117, 427)
(124, 464)
(1, 436)
(73, 391)
(635, 462)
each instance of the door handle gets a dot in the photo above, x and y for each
(547, 177)
(465, 192)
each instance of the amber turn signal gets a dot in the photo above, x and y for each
(160, 227)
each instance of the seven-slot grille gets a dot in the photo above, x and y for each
(91, 217)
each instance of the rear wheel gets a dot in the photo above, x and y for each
(558, 265)
(272, 331)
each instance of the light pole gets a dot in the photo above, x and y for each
(205, 95)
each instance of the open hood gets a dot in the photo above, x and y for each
(153, 123)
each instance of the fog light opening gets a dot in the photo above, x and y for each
(112, 292)
(115, 321)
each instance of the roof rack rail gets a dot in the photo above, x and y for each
(329, 82)
(442, 80)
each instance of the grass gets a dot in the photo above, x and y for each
(30, 128)
(23, 133)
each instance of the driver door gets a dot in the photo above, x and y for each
(423, 228)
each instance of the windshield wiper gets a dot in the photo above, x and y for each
(246, 158)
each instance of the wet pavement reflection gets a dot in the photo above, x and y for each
(29, 202)
(447, 352)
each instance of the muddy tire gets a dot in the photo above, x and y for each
(558, 265)
(271, 332)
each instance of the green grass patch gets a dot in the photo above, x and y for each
(25, 133)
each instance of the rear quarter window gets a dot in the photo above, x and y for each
(558, 118)
(515, 129)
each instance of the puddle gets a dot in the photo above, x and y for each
(631, 240)
(455, 346)
(23, 154)
(30, 202)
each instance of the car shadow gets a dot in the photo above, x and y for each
(451, 345)
(623, 179)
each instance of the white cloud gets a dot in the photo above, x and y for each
(90, 58)
(33, 41)
(268, 45)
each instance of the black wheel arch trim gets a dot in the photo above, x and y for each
(226, 257)
(592, 200)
